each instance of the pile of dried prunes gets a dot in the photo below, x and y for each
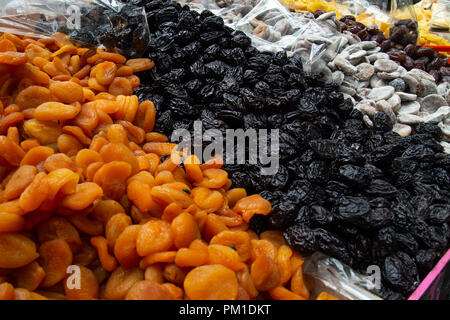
(364, 195)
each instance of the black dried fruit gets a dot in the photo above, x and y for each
(361, 194)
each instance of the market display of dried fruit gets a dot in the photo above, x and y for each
(88, 183)
(339, 178)
(85, 185)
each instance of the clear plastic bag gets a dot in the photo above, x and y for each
(389, 16)
(440, 16)
(332, 276)
(272, 27)
(107, 23)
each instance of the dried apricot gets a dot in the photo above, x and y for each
(154, 236)
(212, 282)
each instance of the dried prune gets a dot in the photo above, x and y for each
(301, 238)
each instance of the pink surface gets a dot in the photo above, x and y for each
(430, 277)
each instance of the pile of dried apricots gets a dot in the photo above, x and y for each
(87, 186)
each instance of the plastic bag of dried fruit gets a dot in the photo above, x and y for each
(273, 28)
(108, 23)
(396, 17)
(440, 17)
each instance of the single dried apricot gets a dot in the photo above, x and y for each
(85, 194)
(67, 91)
(164, 195)
(154, 236)
(237, 240)
(184, 229)
(36, 155)
(11, 222)
(33, 51)
(140, 64)
(213, 178)
(212, 226)
(193, 171)
(251, 205)
(120, 282)
(88, 286)
(124, 71)
(46, 132)
(87, 119)
(226, 256)
(9, 120)
(114, 227)
(6, 291)
(298, 285)
(145, 118)
(36, 192)
(148, 290)
(108, 262)
(234, 195)
(56, 111)
(273, 236)
(112, 178)
(62, 181)
(7, 45)
(10, 151)
(284, 262)
(263, 247)
(84, 224)
(265, 273)
(30, 276)
(140, 194)
(58, 161)
(281, 293)
(207, 199)
(105, 209)
(13, 58)
(78, 133)
(16, 250)
(212, 282)
(326, 296)
(119, 152)
(55, 257)
(154, 273)
(125, 247)
(196, 255)
(246, 282)
(105, 72)
(21, 178)
(176, 292)
(158, 257)
(120, 86)
(28, 144)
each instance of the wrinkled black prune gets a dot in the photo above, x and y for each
(301, 238)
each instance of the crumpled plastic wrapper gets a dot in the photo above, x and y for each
(440, 15)
(108, 23)
(273, 28)
(340, 280)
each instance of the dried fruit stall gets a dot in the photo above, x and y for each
(87, 188)
(90, 182)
